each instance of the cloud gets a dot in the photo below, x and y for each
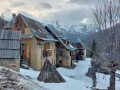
(44, 5)
(70, 16)
(37, 5)
(81, 2)
(17, 4)
(67, 11)
(84, 20)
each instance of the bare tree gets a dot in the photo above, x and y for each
(106, 16)
(3, 22)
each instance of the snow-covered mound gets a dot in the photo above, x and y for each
(11, 80)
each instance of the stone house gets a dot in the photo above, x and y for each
(36, 42)
(81, 49)
(65, 50)
(10, 49)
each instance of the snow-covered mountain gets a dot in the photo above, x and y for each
(82, 31)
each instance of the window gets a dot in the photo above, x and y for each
(67, 42)
(54, 52)
(70, 53)
(52, 46)
(48, 45)
(23, 31)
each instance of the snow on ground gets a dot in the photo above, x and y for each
(12, 80)
(76, 78)
(29, 72)
(118, 71)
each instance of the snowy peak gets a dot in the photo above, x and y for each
(82, 31)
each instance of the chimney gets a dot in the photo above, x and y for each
(13, 18)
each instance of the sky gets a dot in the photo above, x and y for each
(66, 11)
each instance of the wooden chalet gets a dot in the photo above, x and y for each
(81, 49)
(10, 49)
(65, 50)
(35, 42)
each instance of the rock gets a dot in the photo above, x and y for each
(24, 66)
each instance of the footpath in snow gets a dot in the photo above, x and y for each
(76, 78)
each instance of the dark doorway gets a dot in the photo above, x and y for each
(60, 63)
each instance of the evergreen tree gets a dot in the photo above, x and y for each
(93, 48)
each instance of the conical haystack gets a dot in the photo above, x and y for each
(49, 74)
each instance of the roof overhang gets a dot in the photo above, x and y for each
(27, 36)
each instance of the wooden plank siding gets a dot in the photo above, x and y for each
(25, 50)
(9, 44)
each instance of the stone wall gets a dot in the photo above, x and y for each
(63, 55)
(13, 64)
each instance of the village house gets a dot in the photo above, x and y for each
(10, 49)
(36, 42)
(65, 52)
(81, 49)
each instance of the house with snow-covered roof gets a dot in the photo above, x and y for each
(65, 51)
(36, 41)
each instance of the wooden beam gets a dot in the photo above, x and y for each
(25, 38)
(29, 51)
(38, 39)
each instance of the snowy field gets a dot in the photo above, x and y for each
(76, 79)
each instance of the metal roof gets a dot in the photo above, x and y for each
(36, 27)
(27, 36)
(9, 44)
(77, 40)
(59, 36)
(54, 31)
(68, 47)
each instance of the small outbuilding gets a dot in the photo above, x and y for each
(10, 49)
(81, 48)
